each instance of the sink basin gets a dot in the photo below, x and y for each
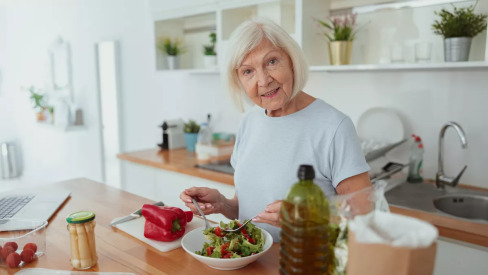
(464, 206)
(454, 202)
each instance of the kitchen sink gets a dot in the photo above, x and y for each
(455, 202)
(464, 206)
(223, 167)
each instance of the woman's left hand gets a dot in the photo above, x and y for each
(271, 214)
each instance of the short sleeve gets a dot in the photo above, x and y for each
(235, 153)
(346, 157)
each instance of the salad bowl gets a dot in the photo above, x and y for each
(194, 240)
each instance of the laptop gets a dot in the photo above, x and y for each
(31, 206)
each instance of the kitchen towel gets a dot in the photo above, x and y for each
(393, 229)
(135, 228)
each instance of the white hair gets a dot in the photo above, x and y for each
(245, 38)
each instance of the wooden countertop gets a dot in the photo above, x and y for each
(177, 160)
(184, 162)
(118, 251)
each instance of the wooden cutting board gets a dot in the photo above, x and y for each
(135, 228)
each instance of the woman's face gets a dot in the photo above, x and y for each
(266, 74)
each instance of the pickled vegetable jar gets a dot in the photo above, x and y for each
(81, 227)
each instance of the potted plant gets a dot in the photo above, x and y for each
(172, 48)
(38, 103)
(210, 56)
(458, 29)
(191, 134)
(340, 32)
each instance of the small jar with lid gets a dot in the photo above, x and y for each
(81, 227)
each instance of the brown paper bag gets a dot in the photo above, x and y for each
(382, 259)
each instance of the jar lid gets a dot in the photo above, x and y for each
(80, 217)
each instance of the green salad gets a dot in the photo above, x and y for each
(248, 241)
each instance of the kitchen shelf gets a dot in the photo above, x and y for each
(190, 71)
(384, 25)
(194, 30)
(68, 128)
(401, 67)
(365, 6)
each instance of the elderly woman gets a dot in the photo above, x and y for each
(290, 127)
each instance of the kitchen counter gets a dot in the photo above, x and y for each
(184, 162)
(118, 251)
(177, 160)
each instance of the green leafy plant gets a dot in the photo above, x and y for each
(170, 46)
(339, 28)
(191, 127)
(462, 22)
(210, 49)
(38, 100)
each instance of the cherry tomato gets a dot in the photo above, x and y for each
(13, 260)
(7, 250)
(31, 246)
(14, 245)
(27, 256)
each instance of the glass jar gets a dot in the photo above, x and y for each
(81, 227)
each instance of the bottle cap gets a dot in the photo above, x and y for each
(80, 217)
(306, 172)
(416, 138)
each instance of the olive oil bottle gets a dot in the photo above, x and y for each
(305, 228)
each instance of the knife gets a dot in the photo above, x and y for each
(134, 215)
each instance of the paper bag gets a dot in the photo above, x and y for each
(383, 259)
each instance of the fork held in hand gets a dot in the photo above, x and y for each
(240, 227)
(207, 225)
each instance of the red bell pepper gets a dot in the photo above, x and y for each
(165, 223)
(154, 232)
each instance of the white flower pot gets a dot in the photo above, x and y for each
(210, 61)
(172, 62)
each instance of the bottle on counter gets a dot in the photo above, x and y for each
(305, 228)
(415, 162)
(204, 140)
(81, 227)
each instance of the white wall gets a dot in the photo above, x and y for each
(425, 99)
(27, 28)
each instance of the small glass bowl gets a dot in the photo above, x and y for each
(34, 232)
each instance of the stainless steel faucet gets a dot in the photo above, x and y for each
(440, 178)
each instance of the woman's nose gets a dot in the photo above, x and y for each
(264, 78)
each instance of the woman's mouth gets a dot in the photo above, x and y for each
(272, 93)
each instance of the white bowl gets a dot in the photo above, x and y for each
(193, 241)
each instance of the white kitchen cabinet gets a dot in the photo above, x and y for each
(455, 257)
(139, 179)
(166, 186)
(382, 27)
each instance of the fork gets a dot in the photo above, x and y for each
(207, 225)
(240, 227)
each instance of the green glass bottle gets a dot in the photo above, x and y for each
(305, 228)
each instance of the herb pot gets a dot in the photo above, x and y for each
(340, 52)
(456, 49)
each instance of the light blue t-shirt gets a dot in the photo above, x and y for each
(269, 150)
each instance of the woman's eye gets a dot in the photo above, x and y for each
(272, 62)
(246, 72)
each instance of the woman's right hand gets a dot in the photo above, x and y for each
(208, 199)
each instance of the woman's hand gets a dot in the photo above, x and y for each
(210, 201)
(271, 214)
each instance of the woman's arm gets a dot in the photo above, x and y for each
(353, 184)
(211, 201)
(360, 202)
(230, 207)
